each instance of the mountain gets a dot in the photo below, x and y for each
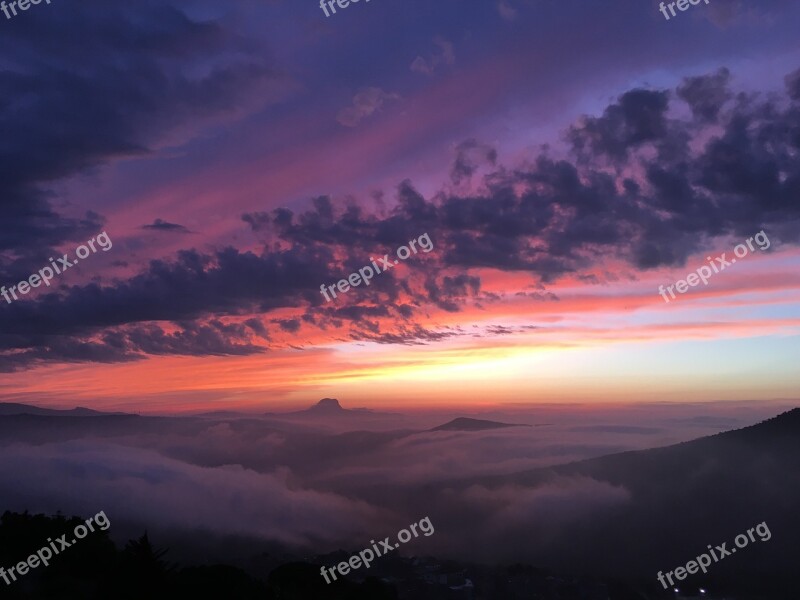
(326, 406)
(222, 414)
(467, 424)
(11, 408)
(634, 513)
(330, 407)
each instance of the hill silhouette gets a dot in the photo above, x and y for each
(467, 424)
(13, 408)
(95, 569)
(680, 498)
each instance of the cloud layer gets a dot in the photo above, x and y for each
(654, 178)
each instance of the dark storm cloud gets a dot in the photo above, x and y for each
(557, 216)
(227, 282)
(469, 155)
(258, 327)
(182, 291)
(356, 313)
(85, 84)
(638, 116)
(793, 84)
(290, 325)
(130, 343)
(195, 339)
(705, 95)
(445, 294)
(646, 188)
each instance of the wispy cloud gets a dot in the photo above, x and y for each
(445, 56)
(506, 10)
(365, 103)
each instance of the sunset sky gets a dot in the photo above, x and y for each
(565, 158)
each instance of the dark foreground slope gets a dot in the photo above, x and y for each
(682, 498)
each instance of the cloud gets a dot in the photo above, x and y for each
(444, 57)
(115, 322)
(513, 522)
(639, 116)
(290, 325)
(683, 186)
(793, 85)
(633, 429)
(162, 225)
(448, 290)
(144, 487)
(554, 504)
(641, 186)
(470, 154)
(115, 82)
(325, 483)
(707, 94)
(506, 10)
(365, 103)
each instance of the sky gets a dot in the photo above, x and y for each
(564, 158)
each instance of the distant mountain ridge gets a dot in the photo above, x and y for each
(13, 408)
